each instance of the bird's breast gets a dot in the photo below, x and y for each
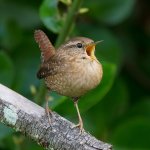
(76, 81)
(88, 77)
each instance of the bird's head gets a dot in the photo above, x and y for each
(81, 46)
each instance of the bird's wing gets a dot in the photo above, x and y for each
(46, 47)
(46, 70)
(53, 66)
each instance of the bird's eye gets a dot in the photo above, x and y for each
(79, 45)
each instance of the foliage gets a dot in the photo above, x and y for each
(50, 15)
(118, 110)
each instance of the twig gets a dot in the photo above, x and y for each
(27, 117)
(73, 11)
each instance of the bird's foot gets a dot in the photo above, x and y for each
(48, 113)
(80, 126)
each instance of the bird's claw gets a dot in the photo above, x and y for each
(48, 113)
(80, 126)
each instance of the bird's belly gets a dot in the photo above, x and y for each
(75, 83)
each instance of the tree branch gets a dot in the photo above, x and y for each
(27, 117)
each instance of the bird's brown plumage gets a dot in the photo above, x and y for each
(46, 47)
(72, 69)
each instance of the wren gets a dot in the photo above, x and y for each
(71, 70)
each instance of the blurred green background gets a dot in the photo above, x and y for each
(118, 110)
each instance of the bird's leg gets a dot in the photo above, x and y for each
(80, 124)
(47, 109)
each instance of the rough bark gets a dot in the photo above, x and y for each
(27, 117)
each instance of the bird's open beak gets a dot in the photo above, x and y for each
(90, 49)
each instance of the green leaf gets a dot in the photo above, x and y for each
(110, 11)
(27, 60)
(136, 125)
(23, 15)
(5, 131)
(83, 10)
(10, 35)
(66, 2)
(6, 69)
(141, 108)
(50, 15)
(107, 111)
(132, 134)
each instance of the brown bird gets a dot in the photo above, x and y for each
(71, 70)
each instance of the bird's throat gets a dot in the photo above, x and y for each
(90, 50)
